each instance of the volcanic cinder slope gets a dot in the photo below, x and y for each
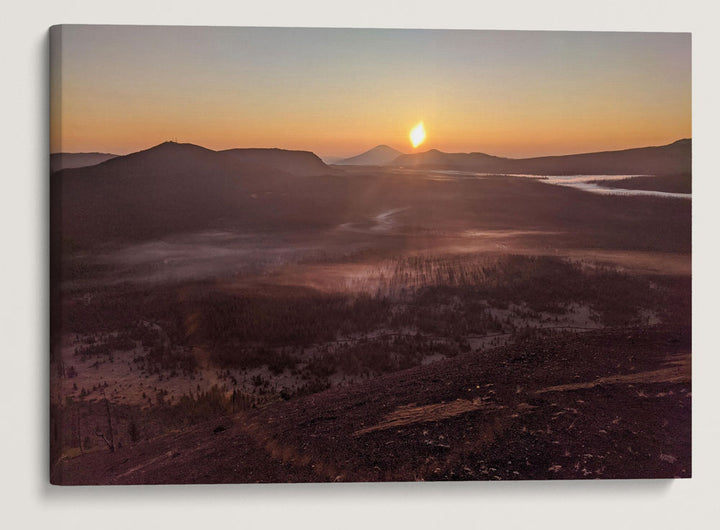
(601, 405)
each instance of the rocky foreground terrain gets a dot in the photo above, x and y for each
(600, 404)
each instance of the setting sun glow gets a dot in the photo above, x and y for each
(466, 88)
(417, 134)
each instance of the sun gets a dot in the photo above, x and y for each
(417, 134)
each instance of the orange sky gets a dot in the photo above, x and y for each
(339, 92)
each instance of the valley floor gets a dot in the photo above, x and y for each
(382, 326)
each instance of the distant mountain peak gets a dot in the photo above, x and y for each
(379, 155)
(383, 147)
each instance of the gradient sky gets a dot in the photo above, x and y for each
(339, 92)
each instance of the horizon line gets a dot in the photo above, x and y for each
(362, 152)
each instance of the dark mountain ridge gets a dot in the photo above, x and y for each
(175, 187)
(674, 158)
(436, 159)
(60, 161)
(299, 163)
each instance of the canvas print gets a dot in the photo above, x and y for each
(368, 255)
